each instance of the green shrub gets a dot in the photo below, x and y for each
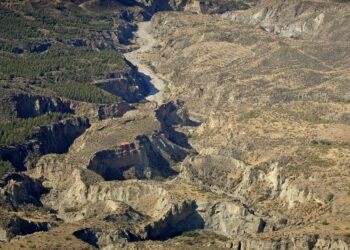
(4, 167)
(249, 115)
(329, 197)
(283, 221)
(325, 223)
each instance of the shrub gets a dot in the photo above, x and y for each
(283, 221)
(329, 197)
(4, 167)
(325, 223)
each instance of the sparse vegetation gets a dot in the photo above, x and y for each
(195, 237)
(283, 221)
(329, 197)
(18, 130)
(325, 223)
(4, 167)
(249, 115)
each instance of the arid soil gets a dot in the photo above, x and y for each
(243, 141)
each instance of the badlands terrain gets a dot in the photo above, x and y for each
(184, 124)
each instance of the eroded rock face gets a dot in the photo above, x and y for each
(14, 226)
(299, 242)
(125, 29)
(230, 219)
(168, 218)
(112, 110)
(54, 138)
(298, 19)
(39, 47)
(94, 111)
(174, 114)
(197, 6)
(179, 219)
(99, 238)
(140, 160)
(31, 105)
(241, 185)
(147, 156)
(127, 85)
(21, 189)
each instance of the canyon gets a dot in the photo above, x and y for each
(229, 129)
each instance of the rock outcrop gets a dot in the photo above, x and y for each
(127, 85)
(295, 242)
(125, 30)
(54, 138)
(298, 19)
(33, 105)
(39, 47)
(99, 238)
(141, 160)
(180, 218)
(246, 148)
(14, 226)
(95, 112)
(230, 219)
(197, 6)
(21, 189)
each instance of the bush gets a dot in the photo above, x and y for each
(283, 221)
(325, 223)
(329, 197)
(4, 167)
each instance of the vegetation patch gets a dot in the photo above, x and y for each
(61, 63)
(83, 92)
(4, 167)
(15, 27)
(249, 115)
(47, 43)
(30, 27)
(197, 236)
(18, 130)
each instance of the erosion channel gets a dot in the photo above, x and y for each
(146, 42)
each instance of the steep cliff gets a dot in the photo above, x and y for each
(198, 6)
(128, 85)
(31, 106)
(54, 138)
